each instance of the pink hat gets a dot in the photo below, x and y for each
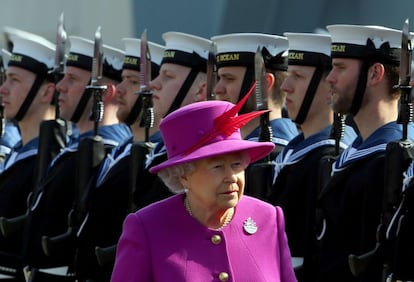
(207, 129)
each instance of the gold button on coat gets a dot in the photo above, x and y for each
(216, 239)
(224, 276)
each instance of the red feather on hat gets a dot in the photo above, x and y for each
(228, 123)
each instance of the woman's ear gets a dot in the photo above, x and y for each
(184, 181)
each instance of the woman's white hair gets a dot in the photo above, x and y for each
(171, 176)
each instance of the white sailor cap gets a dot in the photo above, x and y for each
(5, 55)
(10, 31)
(32, 52)
(309, 49)
(238, 49)
(133, 55)
(365, 42)
(113, 61)
(186, 49)
(81, 53)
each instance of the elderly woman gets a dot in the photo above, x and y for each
(209, 231)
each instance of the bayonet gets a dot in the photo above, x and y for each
(406, 109)
(61, 38)
(145, 93)
(211, 71)
(145, 63)
(261, 96)
(97, 61)
(95, 87)
(260, 77)
(59, 66)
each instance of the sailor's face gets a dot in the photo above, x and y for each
(71, 88)
(126, 93)
(343, 80)
(229, 84)
(295, 85)
(15, 89)
(166, 86)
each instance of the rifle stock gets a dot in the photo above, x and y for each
(105, 255)
(10, 226)
(359, 264)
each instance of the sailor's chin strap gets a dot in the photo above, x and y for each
(309, 95)
(135, 110)
(360, 88)
(248, 80)
(80, 108)
(30, 97)
(183, 90)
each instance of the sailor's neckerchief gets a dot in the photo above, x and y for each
(10, 138)
(159, 150)
(20, 152)
(283, 130)
(374, 144)
(299, 147)
(118, 153)
(112, 135)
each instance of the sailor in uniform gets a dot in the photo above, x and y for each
(26, 94)
(54, 198)
(365, 62)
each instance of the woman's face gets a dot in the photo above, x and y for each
(217, 183)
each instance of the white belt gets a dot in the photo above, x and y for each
(61, 270)
(297, 262)
(2, 276)
(7, 269)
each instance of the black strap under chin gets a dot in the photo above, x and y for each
(360, 89)
(80, 108)
(30, 97)
(310, 94)
(246, 85)
(135, 110)
(183, 90)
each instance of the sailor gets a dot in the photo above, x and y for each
(9, 132)
(298, 166)
(26, 96)
(54, 197)
(110, 198)
(365, 67)
(235, 66)
(181, 81)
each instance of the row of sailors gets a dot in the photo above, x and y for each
(304, 73)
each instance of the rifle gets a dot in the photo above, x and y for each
(259, 175)
(52, 137)
(91, 152)
(139, 150)
(398, 156)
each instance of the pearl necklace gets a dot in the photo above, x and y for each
(229, 216)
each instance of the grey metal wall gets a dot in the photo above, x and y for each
(212, 17)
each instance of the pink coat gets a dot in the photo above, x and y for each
(162, 242)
